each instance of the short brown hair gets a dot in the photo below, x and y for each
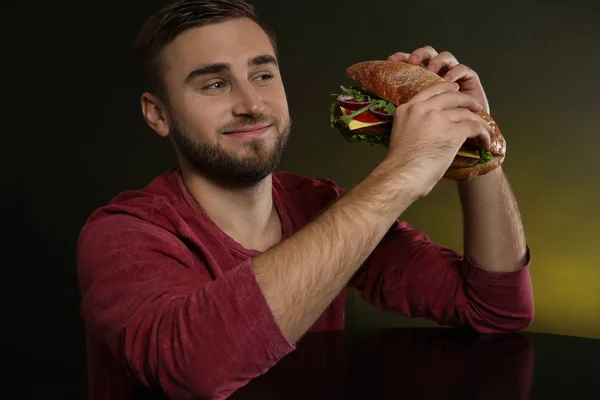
(164, 26)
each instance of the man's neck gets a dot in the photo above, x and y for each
(247, 215)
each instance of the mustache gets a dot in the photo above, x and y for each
(248, 120)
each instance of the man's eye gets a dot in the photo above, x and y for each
(264, 77)
(216, 85)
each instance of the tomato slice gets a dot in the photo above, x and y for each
(365, 117)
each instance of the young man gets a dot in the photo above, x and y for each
(207, 277)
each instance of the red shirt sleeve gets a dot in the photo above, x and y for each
(410, 275)
(171, 326)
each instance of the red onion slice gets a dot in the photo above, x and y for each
(347, 101)
(381, 114)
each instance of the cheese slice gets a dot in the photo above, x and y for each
(354, 124)
(468, 153)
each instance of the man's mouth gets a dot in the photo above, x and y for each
(248, 130)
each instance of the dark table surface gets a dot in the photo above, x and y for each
(433, 363)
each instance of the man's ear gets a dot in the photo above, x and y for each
(155, 114)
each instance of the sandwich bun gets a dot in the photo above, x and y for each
(397, 82)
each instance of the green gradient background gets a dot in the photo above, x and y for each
(540, 67)
(74, 137)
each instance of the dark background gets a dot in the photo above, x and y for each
(73, 137)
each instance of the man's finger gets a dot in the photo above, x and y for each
(399, 56)
(449, 100)
(460, 72)
(422, 55)
(434, 90)
(475, 130)
(444, 60)
(463, 114)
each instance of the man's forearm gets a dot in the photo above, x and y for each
(303, 274)
(493, 230)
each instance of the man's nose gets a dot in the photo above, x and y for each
(248, 101)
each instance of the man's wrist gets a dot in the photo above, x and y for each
(493, 177)
(402, 180)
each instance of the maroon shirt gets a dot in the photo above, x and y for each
(171, 302)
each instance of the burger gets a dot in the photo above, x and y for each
(365, 112)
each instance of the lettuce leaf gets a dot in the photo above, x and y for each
(360, 93)
(485, 156)
(390, 108)
(332, 117)
(347, 118)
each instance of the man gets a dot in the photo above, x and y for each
(207, 277)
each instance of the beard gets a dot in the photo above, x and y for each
(218, 165)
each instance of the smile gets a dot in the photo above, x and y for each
(248, 131)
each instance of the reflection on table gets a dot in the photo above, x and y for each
(429, 363)
(401, 363)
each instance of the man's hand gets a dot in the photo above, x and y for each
(485, 198)
(430, 128)
(447, 66)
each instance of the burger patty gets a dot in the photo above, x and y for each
(464, 162)
(382, 129)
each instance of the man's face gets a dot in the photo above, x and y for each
(228, 111)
